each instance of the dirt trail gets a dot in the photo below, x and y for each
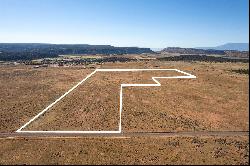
(127, 134)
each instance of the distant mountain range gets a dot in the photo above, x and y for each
(28, 51)
(239, 50)
(180, 50)
(156, 49)
(229, 46)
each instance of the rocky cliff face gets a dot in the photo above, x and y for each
(191, 51)
(23, 51)
(238, 54)
(227, 53)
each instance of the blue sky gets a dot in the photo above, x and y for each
(143, 23)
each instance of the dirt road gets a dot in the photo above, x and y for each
(127, 134)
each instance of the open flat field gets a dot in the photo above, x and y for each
(217, 100)
(94, 105)
(25, 91)
(129, 150)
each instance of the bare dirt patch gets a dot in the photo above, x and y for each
(134, 150)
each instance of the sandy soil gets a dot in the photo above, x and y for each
(135, 150)
(94, 105)
(217, 100)
(26, 91)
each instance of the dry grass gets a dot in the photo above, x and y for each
(217, 100)
(135, 150)
(26, 91)
(94, 105)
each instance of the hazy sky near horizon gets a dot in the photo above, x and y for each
(143, 23)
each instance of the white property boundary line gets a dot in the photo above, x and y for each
(187, 75)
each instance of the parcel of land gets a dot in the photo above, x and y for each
(190, 110)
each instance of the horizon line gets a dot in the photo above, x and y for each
(197, 47)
